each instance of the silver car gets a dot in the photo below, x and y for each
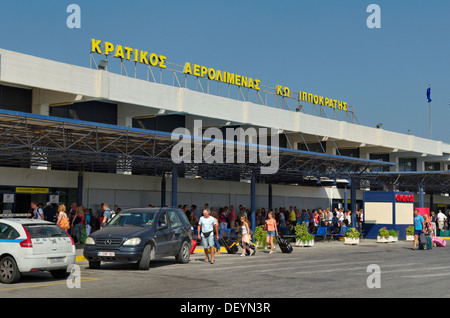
(29, 245)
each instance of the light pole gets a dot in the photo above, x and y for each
(429, 103)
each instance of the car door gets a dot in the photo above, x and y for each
(9, 239)
(163, 236)
(177, 230)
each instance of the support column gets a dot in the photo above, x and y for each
(345, 199)
(163, 190)
(421, 203)
(270, 196)
(80, 189)
(174, 186)
(253, 203)
(353, 202)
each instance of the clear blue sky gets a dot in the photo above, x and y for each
(323, 47)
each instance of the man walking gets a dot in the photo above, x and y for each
(419, 225)
(37, 211)
(441, 218)
(206, 226)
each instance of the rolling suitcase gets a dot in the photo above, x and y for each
(425, 241)
(284, 245)
(194, 245)
(251, 246)
(438, 241)
(230, 245)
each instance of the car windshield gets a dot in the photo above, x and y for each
(133, 219)
(44, 231)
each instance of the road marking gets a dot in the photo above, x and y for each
(427, 275)
(273, 262)
(49, 284)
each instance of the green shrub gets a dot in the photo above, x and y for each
(260, 235)
(383, 232)
(393, 233)
(410, 230)
(301, 233)
(352, 233)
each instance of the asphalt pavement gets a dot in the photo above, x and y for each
(328, 270)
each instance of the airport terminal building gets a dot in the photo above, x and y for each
(104, 134)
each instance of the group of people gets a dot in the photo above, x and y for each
(429, 226)
(211, 221)
(78, 221)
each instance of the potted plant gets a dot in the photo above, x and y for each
(352, 237)
(260, 237)
(410, 233)
(383, 236)
(393, 235)
(302, 236)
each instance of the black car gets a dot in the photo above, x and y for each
(141, 235)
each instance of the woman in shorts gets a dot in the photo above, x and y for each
(245, 231)
(271, 224)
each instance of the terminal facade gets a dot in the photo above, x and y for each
(164, 99)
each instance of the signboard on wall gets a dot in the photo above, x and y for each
(31, 190)
(392, 210)
(8, 198)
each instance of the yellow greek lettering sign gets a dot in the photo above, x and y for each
(158, 60)
(31, 190)
(221, 76)
(127, 53)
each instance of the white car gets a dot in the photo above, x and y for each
(29, 245)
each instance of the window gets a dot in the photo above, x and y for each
(174, 219)
(93, 111)
(162, 219)
(45, 231)
(313, 147)
(14, 98)
(7, 232)
(380, 157)
(349, 152)
(432, 166)
(407, 164)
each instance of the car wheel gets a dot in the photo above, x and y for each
(94, 264)
(144, 263)
(9, 272)
(61, 273)
(184, 253)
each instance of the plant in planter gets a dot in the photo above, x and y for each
(302, 237)
(383, 235)
(260, 237)
(393, 235)
(410, 233)
(352, 236)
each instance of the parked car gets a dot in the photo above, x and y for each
(141, 235)
(29, 245)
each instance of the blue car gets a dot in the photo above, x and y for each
(141, 235)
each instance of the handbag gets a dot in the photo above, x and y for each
(64, 223)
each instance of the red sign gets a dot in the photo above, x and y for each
(423, 211)
(404, 197)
